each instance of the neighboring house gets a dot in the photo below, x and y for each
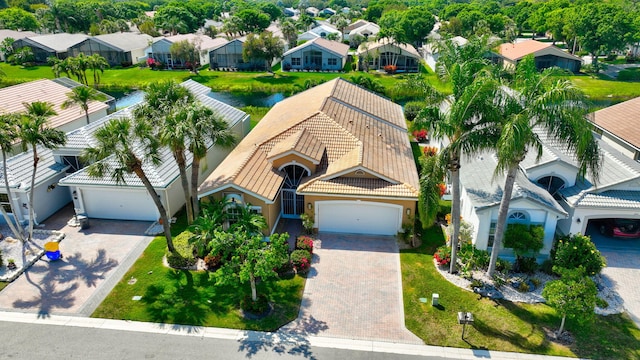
(160, 48)
(317, 54)
(355, 25)
(430, 51)
(13, 97)
(336, 152)
(546, 55)
(15, 35)
(48, 196)
(327, 12)
(321, 31)
(291, 12)
(377, 55)
(618, 126)
(45, 46)
(104, 198)
(312, 11)
(119, 49)
(229, 55)
(481, 193)
(368, 31)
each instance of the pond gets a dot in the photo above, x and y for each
(237, 100)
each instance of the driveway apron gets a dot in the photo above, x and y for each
(354, 290)
(94, 260)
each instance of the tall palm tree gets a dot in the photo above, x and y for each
(289, 32)
(8, 135)
(539, 102)
(82, 96)
(114, 155)
(34, 131)
(432, 175)
(206, 126)
(462, 117)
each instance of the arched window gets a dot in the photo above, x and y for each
(293, 176)
(518, 217)
(552, 184)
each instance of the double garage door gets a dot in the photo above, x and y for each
(358, 217)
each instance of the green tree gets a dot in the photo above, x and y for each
(34, 132)
(271, 9)
(176, 19)
(464, 117)
(432, 174)
(540, 101)
(18, 19)
(573, 296)
(9, 132)
(97, 64)
(81, 96)
(253, 21)
(289, 32)
(6, 46)
(23, 56)
(212, 219)
(188, 53)
(250, 257)
(123, 147)
(264, 47)
(577, 250)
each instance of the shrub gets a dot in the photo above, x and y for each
(473, 258)
(11, 264)
(260, 306)
(307, 222)
(412, 108)
(475, 283)
(390, 69)
(420, 135)
(629, 75)
(523, 287)
(524, 239)
(301, 260)
(601, 303)
(503, 266)
(213, 261)
(579, 251)
(429, 151)
(305, 243)
(184, 251)
(526, 265)
(443, 255)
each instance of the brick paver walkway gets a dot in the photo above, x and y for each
(354, 291)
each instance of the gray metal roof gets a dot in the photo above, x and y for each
(125, 41)
(59, 42)
(82, 138)
(550, 152)
(485, 190)
(20, 168)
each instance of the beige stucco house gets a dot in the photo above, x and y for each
(337, 152)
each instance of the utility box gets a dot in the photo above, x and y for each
(83, 221)
(435, 299)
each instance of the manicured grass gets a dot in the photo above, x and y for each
(604, 92)
(502, 326)
(192, 297)
(256, 113)
(3, 285)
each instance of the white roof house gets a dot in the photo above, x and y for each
(105, 198)
(159, 50)
(317, 54)
(44, 46)
(365, 29)
(15, 35)
(321, 31)
(124, 48)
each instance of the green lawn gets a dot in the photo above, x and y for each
(192, 297)
(604, 92)
(502, 326)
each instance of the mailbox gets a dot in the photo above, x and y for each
(465, 318)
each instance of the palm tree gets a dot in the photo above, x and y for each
(206, 126)
(34, 131)
(213, 218)
(462, 117)
(540, 102)
(8, 135)
(289, 32)
(245, 221)
(82, 95)
(432, 175)
(97, 63)
(116, 140)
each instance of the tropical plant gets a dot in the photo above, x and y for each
(35, 132)
(443, 255)
(82, 96)
(539, 102)
(432, 174)
(98, 64)
(123, 146)
(244, 219)
(304, 243)
(577, 250)
(9, 132)
(213, 217)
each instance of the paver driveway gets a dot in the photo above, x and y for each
(623, 269)
(94, 260)
(354, 290)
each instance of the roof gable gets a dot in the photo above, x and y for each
(620, 120)
(302, 143)
(517, 51)
(334, 47)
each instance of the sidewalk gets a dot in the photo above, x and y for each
(278, 340)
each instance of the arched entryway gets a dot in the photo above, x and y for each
(292, 204)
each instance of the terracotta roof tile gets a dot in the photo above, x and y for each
(302, 142)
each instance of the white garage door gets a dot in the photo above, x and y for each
(119, 204)
(358, 217)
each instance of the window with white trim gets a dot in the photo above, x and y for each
(295, 61)
(4, 201)
(332, 62)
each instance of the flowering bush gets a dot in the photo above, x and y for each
(420, 135)
(305, 243)
(443, 255)
(443, 189)
(429, 151)
(390, 69)
(301, 260)
(578, 251)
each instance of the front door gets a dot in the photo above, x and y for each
(292, 204)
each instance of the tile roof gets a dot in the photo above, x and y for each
(335, 47)
(621, 120)
(521, 49)
(357, 128)
(13, 97)
(302, 142)
(485, 189)
(161, 175)
(370, 46)
(20, 168)
(126, 41)
(58, 42)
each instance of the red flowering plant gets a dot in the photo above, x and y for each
(390, 69)
(301, 260)
(420, 135)
(443, 255)
(151, 62)
(443, 189)
(429, 151)
(304, 243)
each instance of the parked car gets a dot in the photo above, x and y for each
(622, 228)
